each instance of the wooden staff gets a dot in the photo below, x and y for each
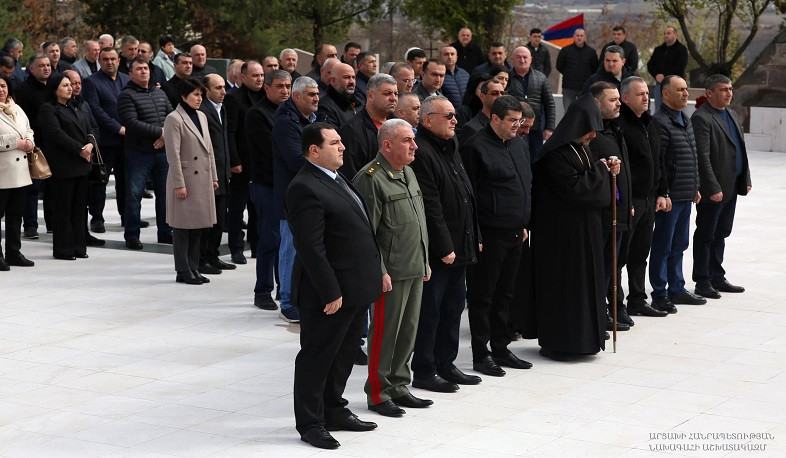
(614, 253)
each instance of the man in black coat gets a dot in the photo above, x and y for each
(490, 91)
(609, 143)
(238, 103)
(454, 239)
(648, 185)
(469, 54)
(184, 65)
(498, 165)
(612, 71)
(670, 58)
(337, 274)
(577, 62)
(541, 59)
(360, 133)
(724, 173)
(340, 104)
(619, 38)
(216, 114)
(259, 124)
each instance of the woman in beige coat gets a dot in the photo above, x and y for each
(16, 140)
(191, 180)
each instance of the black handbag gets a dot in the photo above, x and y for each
(99, 173)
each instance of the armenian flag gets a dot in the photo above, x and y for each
(562, 34)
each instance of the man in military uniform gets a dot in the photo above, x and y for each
(397, 215)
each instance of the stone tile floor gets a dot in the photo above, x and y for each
(109, 357)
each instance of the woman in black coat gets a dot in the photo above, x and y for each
(68, 145)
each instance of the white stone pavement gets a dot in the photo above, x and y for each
(110, 357)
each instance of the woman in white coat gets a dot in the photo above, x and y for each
(16, 141)
(191, 180)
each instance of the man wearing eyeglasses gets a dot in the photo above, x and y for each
(489, 92)
(454, 243)
(433, 77)
(404, 75)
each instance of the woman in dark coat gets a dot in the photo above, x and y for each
(570, 190)
(68, 145)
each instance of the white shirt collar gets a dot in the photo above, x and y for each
(329, 173)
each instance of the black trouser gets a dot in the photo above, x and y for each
(493, 281)
(714, 221)
(237, 202)
(115, 160)
(608, 265)
(31, 205)
(328, 345)
(437, 341)
(185, 247)
(635, 249)
(70, 207)
(522, 307)
(12, 207)
(211, 236)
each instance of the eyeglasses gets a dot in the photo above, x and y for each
(447, 116)
(516, 122)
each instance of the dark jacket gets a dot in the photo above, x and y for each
(19, 75)
(717, 154)
(143, 112)
(576, 65)
(337, 254)
(450, 203)
(668, 60)
(472, 127)
(678, 148)
(647, 170)
(422, 93)
(238, 103)
(80, 104)
(610, 142)
(361, 84)
(359, 136)
(259, 122)
(30, 95)
(603, 75)
(541, 59)
(170, 89)
(337, 109)
(200, 72)
(67, 132)
(219, 137)
(469, 57)
(486, 66)
(631, 55)
(287, 154)
(455, 85)
(101, 92)
(501, 179)
(538, 95)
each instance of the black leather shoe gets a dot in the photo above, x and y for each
(187, 278)
(93, 241)
(664, 304)
(143, 224)
(134, 244)
(456, 376)
(511, 360)
(81, 256)
(200, 277)
(620, 325)
(165, 238)
(645, 309)
(97, 227)
(361, 359)
(623, 316)
(687, 298)
(19, 260)
(265, 303)
(219, 264)
(435, 383)
(607, 336)
(727, 287)
(706, 290)
(4, 267)
(488, 366)
(350, 423)
(239, 258)
(208, 269)
(408, 400)
(557, 355)
(387, 409)
(320, 438)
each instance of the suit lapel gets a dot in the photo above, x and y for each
(335, 187)
(718, 119)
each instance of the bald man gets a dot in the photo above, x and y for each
(339, 104)
(200, 68)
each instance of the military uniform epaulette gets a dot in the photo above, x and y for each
(372, 170)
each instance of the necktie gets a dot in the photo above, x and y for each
(349, 191)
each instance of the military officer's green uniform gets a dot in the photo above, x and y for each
(395, 210)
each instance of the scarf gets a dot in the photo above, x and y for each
(9, 108)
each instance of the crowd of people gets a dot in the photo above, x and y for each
(383, 200)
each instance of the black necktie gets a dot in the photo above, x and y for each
(349, 191)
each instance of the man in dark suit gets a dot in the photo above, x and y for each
(337, 274)
(213, 108)
(100, 91)
(723, 174)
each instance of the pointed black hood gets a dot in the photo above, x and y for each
(582, 116)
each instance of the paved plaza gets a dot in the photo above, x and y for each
(108, 356)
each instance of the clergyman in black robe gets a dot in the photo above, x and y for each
(570, 190)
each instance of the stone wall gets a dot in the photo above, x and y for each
(763, 84)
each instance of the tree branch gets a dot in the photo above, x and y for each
(347, 17)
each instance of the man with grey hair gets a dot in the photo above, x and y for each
(88, 64)
(394, 204)
(723, 174)
(259, 123)
(359, 134)
(288, 60)
(408, 109)
(201, 68)
(129, 47)
(106, 41)
(13, 48)
(612, 71)
(339, 105)
(233, 75)
(291, 117)
(68, 50)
